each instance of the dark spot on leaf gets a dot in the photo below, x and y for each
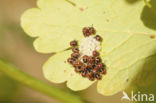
(72, 3)
(64, 61)
(152, 36)
(71, 74)
(127, 80)
(81, 9)
(107, 20)
(64, 71)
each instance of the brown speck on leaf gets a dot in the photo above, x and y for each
(81, 9)
(127, 80)
(152, 36)
(64, 71)
(71, 74)
(107, 20)
(64, 61)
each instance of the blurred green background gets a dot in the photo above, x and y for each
(16, 47)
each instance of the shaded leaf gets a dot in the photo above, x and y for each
(148, 15)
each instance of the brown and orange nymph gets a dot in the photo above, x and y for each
(85, 58)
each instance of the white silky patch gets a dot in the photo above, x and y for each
(88, 45)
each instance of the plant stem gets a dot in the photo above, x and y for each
(22, 77)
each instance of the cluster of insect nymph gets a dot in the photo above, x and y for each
(88, 66)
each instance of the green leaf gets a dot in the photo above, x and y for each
(149, 14)
(145, 80)
(62, 71)
(127, 41)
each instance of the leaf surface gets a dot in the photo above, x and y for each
(127, 41)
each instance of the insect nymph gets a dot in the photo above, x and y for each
(86, 58)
